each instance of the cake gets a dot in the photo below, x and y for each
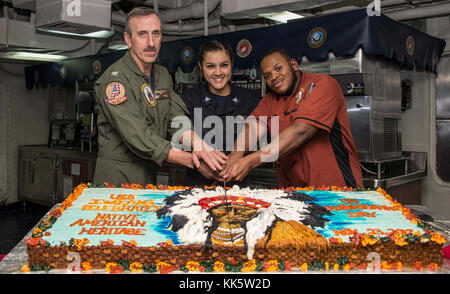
(164, 229)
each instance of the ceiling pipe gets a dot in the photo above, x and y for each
(118, 19)
(168, 27)
(385, 3)
(420, 12)
(195, 10)
(156, 6)
(205, 17)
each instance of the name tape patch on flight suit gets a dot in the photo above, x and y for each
(115, 93)
(162, 94)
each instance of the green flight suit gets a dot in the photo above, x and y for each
(134, 136)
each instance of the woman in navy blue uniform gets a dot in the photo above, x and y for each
(216, 97)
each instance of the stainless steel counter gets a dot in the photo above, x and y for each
(410, 167)
(43, 150)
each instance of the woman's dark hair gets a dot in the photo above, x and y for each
(215, 45)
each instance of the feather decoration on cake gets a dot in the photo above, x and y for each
(198, 216)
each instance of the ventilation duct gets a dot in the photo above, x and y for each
(25, 4)
(73, 16)
(236, 9)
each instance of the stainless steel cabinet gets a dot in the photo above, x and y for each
(47, 176)
(37, 177)
(443, 120)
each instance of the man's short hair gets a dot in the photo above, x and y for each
(283, 52)
(138, 11)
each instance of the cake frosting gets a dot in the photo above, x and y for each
(258, 223)
(116, 214)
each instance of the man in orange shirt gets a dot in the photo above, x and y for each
(315, 145)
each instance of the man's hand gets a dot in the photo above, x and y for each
(213, 158)
(202, 151)
(208, 173)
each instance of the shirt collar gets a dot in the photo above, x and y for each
(131, 63)
(295, 91)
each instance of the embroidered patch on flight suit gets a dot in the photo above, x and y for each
(162, 94)
(115, 93)
(148, 95)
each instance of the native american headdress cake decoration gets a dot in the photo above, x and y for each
(241, 218)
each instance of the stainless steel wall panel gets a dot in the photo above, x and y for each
(358, 109)
(443, 89)
(443, 149)
(443, 119)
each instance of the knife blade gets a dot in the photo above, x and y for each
(227, 206)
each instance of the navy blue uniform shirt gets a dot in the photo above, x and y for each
(240, 102)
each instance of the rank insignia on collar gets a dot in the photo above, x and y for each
(206, 99)
(148, 95)
(299, 96)
(235, 100)
(115, 93)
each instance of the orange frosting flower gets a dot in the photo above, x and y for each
(109, 266)
(271, 266)
(25, 268)
(193, 266)
(385, 265)
(249, 266)
(86, 266)
(79, 243)
(136, 267)
(164, 268)
(432, 267)
(438, 238)
(304, 267)
(219, 266)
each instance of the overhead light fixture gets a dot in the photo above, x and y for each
(117, 45)
(282, 17)
(32, 56)
(98, 35)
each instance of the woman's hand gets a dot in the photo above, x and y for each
(237, 169)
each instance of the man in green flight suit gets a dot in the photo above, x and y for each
(136, 107)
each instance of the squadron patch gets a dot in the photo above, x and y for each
(115, 93)
(148, 95)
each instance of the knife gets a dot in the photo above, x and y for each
(227, 206)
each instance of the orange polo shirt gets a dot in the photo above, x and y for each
(329, 157)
